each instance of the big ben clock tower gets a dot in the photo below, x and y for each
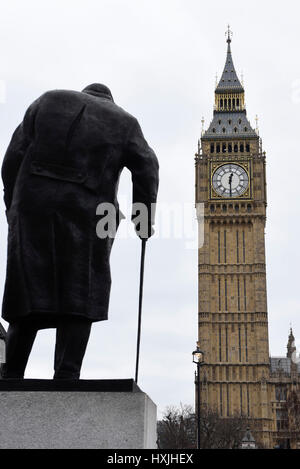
(233, 322)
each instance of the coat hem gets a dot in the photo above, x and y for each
(40, 312)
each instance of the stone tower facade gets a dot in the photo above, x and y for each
(233, 319)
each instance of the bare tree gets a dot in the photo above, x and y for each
(222, 433)
(178, 429)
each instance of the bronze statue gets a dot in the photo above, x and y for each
(65, 159)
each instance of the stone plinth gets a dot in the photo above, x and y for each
(106, 414)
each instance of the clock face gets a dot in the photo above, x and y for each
(230, 180)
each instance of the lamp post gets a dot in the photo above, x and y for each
(198, 359)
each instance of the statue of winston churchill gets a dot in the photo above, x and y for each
(65, 159)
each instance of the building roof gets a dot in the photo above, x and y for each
(282, 364)
(248, 438)
(229, 80)
(235, 125)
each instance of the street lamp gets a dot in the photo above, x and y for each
(198, 359)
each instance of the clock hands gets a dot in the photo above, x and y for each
(230, 181)
(230, 184)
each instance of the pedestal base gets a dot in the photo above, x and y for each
(108, 414)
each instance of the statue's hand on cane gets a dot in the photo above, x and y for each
(144, 230)
(145, 236)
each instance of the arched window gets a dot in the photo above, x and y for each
(229, 103)
(218, 148)
(212, 208)
(236, 148)
(214, 130)
(212, 147)
(247, 147)
(235, 130)
(229, 148)
(246, 129)
(242, 148)
(221, 102)
(237, 102)
(233, 103)
(236, 208)
(249, 208)
(223, 130)
(225, 103)
(224, 148)
(224, 208)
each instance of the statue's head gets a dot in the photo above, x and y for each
(97, 89)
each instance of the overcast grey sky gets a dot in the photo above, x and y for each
(160, 58)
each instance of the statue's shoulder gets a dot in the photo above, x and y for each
(125, 114)
(62, 98)
(61, 94)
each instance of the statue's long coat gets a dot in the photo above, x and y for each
(63, 160)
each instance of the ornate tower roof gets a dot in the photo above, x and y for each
(248, 437)
(229, 80)
(230, 118)
(248, 442)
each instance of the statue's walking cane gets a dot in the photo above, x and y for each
(140, 309)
